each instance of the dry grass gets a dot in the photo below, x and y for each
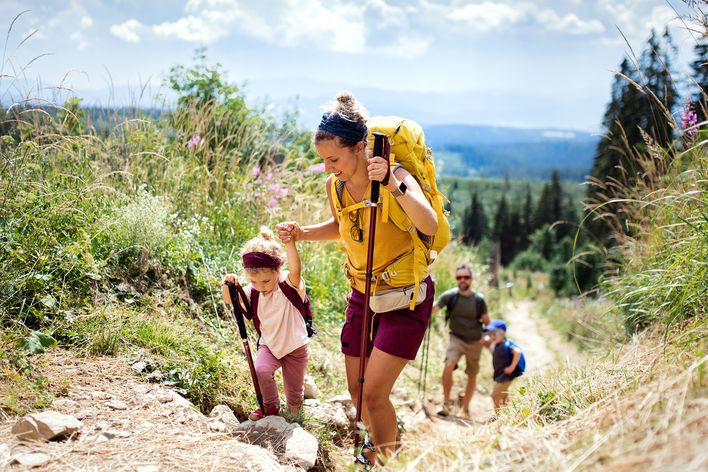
(640, 407)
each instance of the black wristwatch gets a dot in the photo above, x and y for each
(402, 187)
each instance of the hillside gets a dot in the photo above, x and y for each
(490, 151)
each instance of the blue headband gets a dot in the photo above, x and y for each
(343, 127)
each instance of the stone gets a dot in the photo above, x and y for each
(289, 441)
(139, 366)
(250, 457)
(224, 414)
(148, 468)
(164, 396)
(301, 448)
(311, 390)
(31, 459)
(117, 405)
(45, 426)
(311, 402)
(4, 455)
(65, 403)
(217, 426)
(342, 398)
(98, 395)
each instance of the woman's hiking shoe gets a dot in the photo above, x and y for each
(367, 444)
(446, 409)
(361, 460)
(258, 414)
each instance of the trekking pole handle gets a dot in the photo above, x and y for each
(381, 149)
(230, 296)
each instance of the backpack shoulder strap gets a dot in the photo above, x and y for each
(303, 306)
(295, 299)
(254, 310)
(452, 301)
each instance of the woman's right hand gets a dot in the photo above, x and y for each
(289, 231)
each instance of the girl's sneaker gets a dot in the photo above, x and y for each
(259, 414)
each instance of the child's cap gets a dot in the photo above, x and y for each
(495, 324)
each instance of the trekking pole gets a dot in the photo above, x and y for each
(382, 148)
(424, 374)
(230, 294)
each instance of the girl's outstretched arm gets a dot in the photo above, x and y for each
(294, 263)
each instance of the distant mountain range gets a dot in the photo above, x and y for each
(526, 153)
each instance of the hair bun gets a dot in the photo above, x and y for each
(266, 233)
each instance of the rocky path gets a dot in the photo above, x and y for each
(129, 425)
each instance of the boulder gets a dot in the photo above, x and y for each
(311, 390)
(223, 414)
(4, 455)
(288, 441)
(45, 426)
(117, 405)
(31, 459)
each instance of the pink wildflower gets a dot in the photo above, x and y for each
(269, 176)
(316, 167)
(283, 192)
(273, 202)
(194, 141)
(256, 171)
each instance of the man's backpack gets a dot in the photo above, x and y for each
(521, 365)
(408, 149)
(303, 306)
(452, 301)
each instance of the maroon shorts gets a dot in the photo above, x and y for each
(398, 332)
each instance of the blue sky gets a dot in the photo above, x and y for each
(535, 63)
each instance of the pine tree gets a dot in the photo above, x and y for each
(700, 71)
(526, 220)
(641, 100)
(474, 222)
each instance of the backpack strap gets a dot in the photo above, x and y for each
(303, 306)
(254, 310)
(452, 301)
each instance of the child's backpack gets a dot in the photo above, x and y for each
(303, 306)
(408, 149)
(521, 365)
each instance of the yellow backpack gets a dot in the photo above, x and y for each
(408, 149)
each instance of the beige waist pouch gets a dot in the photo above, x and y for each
(397, 298)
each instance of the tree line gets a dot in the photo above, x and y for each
(644, 117)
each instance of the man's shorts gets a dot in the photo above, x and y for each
(399, 332)
(471, 350)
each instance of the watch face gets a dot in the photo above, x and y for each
(403, 187)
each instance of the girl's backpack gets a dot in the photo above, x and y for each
(303, 306)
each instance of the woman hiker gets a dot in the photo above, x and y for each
(396, 335)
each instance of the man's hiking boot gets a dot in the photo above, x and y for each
(446, 409)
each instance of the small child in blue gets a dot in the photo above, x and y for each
(507, 358)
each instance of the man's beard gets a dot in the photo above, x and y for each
(463, 286)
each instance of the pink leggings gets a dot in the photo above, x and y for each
(294, 366)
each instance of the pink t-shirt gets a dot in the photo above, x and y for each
(282, 327)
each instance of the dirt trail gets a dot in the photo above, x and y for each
(544, 348)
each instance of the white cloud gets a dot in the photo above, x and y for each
(127, 31)
(86, 22)
(569, 23)
(347, 27)
(488, 16)
(78, 38)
